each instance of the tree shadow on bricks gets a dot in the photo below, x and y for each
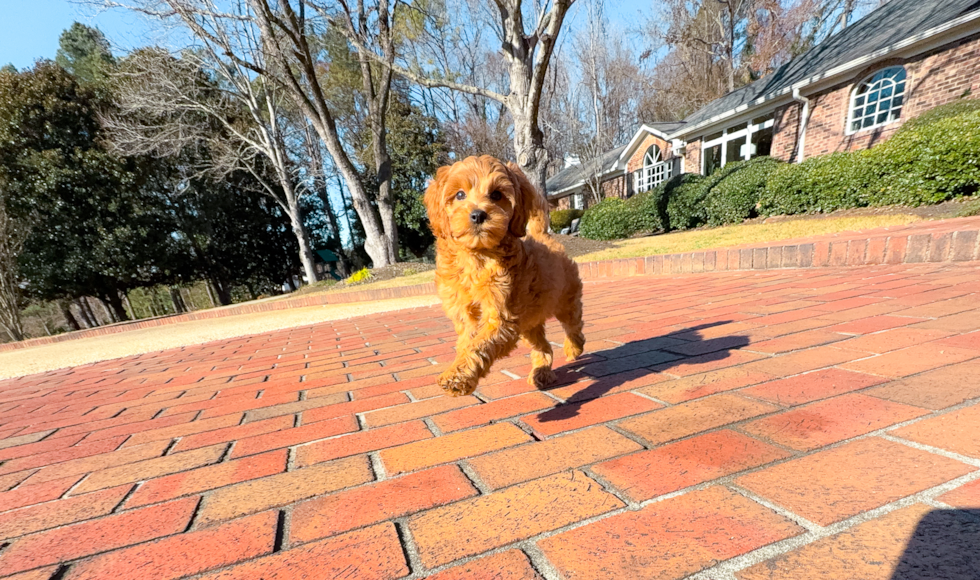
(613, 367)
(945, 545)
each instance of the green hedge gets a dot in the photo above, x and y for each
(606, 220)
(562, 218)
(614, 218)
(685, 201)
(819, 184)
(735, 198)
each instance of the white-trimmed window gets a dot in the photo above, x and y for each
(877, 100)
(654, 171)
(737, 143)
(577, 201)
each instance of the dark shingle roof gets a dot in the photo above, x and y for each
(574, 175)
(667, 127)
(564, 179)
(893, 22)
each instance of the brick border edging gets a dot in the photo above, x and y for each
(900, 248)
(956, 246)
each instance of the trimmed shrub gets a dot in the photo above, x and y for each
(930, 160)
(954, 109)
(607, 220)
(734, 198)
(685, 195)
(819, 184)
(614, 218)
(562, 218)
(648, 210)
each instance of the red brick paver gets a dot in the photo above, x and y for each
(713, 416)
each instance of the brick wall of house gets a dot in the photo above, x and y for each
(692, 156)
(786, 124)
(615, 187)
(934, 78)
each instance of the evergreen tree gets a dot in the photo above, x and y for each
(84, 52)
(99, 228)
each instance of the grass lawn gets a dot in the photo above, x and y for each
(752, 233)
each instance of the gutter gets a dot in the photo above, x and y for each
(837, 70)
(804, 121)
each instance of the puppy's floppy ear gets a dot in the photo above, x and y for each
(526, 205)
(435, 203)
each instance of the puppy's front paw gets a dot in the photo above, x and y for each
(456, 384)
(541, 377)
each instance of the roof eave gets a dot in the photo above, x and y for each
(636, 140)
(565, 192)
(958, 27)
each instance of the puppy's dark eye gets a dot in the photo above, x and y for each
(460, 195)
(495, 195)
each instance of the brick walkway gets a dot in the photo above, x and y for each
(776, 424)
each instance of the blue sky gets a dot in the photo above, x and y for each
(30, 28)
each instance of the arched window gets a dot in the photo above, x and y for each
(653, 172)
(878, 99)
(652, 156)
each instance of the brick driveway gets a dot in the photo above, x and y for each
(776, 424)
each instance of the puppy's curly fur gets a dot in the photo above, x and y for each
(499, 274)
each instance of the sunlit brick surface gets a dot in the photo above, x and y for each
(812, 423)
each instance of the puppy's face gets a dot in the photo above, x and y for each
(476, 202)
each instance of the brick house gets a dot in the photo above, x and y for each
(849, 92)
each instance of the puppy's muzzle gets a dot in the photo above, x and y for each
(478, 216)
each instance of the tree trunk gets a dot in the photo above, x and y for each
(378, 108)
(85, 310)
(386, 202)
(208, 287)
(376, 242)
(116, 303)
(221, 291)
(129, 306)
(532, 156)
(10, 315)
(178, 300)
(186, 299)
(65, 307)
(305, 252)
(315, 156)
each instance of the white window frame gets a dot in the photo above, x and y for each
(655, 170)
(894, 114)
(577, 201)
(729, 135)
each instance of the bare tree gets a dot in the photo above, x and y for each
(371, 26)
(12, 236)
(526, 50)
(167, 105)
(272, 41)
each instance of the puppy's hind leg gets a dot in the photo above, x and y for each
(541, 356)
(570, 316)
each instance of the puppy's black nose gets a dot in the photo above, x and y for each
(478, 216)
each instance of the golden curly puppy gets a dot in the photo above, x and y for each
(499, 274)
